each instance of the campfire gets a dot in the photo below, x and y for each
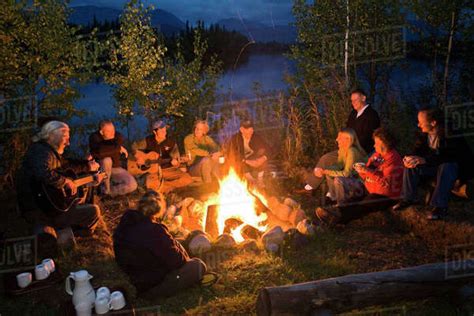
(237, 214)
(235, 201)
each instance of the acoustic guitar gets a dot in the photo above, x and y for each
(52, 199)
(152, 163)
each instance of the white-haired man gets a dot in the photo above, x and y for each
(42, 165)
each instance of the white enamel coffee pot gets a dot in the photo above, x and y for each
(83, 290)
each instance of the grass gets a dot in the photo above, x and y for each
(371, 244)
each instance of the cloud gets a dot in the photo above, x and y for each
(266, 11)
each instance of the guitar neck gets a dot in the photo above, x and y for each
(83, 181)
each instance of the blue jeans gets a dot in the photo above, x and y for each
(445, 175)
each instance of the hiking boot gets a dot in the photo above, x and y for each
(402, 205)
(437, 213)
(328, 216)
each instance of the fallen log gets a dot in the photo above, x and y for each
(357, 291)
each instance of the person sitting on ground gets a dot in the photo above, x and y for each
(437, 158)
(363, 119)
(42, 166)
(247, 153)
(204, 153)
(165, 153)
(382, 177)
(106, 146)
(342, 180)
(156, 263)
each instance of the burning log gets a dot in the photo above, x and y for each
(232, 223)
(211, 221)
(250, 232)
(357, 291)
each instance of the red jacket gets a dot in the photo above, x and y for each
(385, 174)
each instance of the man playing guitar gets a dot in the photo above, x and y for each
(158, 158)
(41, 171)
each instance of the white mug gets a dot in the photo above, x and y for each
(117, 300)
(221, 160)
(49, 264)
(41, 272)
(83, 309)
(101, 305)
(103, 292)
(24, 279)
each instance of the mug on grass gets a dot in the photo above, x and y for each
(49, 264)
(117, 300)
(41, 272)
(24, 279)
(101, 305)
(103, 292)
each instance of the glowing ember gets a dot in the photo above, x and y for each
(235, 201)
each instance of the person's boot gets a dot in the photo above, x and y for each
(437, 213)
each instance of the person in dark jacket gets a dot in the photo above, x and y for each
(156, 263)
(435, 157)
(106, 145)
(247, 152)
(364, 120)
(42, 165)
(165, 150)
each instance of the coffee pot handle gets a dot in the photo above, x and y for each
(68, 285)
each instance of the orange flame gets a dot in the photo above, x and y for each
(235, 201)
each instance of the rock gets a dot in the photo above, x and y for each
(305, 227)
(296, 216)
(199, 244)
(272, 202)
(250, 232)
(291, 203)
(225, 241)
(271, 247)
(295, 240)
(282, 211)
(196, 209)
(273, 236)
(231, 223)
(249, 245)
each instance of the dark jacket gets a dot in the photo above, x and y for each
(450, 150)
(364, 127)
(235, 152)
(101, 148)
(42, 164)
(145, 250)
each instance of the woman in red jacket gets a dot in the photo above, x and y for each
(382, 176)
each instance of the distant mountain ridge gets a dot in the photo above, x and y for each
(170, 24)
(84, 15)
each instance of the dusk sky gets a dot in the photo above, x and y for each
(266, 11)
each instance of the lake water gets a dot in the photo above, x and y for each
(267, 70)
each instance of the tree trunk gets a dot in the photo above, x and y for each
(448, 55)
(357, 291)
(346, 46)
